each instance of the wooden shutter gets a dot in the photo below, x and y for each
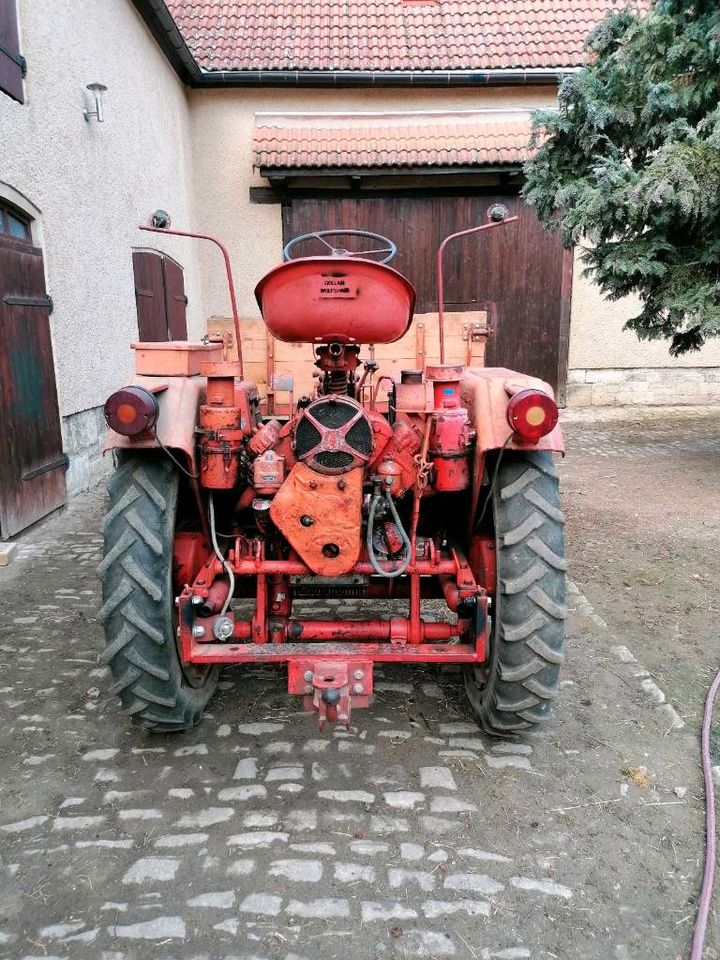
(12, 63)
(32, 463)
(175, 299)
(150, 295)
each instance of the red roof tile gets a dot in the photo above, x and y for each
(386, 34)
(402, 141)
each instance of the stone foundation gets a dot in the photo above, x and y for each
(83, 435)
(647, 386)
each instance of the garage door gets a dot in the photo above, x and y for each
(519, 274)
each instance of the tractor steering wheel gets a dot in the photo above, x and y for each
(388, 247)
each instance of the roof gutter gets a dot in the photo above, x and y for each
(380, 78)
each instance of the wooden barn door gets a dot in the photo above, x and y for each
(32, 462)
(519, 274)
(160, 296)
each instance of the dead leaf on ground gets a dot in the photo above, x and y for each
(638, 775)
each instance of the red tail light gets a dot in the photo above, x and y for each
(532, 414)
(130, 411)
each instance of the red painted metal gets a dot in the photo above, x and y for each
(335, 300)
(222, 425)
(349, 652)
(190, 552)
(440, 288)
(482, 558)
(228, 270)
(396, 630)
(252, 566)
(321, 518)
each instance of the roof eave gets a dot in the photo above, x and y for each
(291, 173)
(161, 24)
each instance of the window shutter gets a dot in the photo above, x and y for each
(175, 299)
(150, 295)
(12, 63)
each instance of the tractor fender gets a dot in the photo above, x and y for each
(178, 400)
(486, 392)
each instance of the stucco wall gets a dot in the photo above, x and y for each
(93, 183)
(222, 129)
(597, 338)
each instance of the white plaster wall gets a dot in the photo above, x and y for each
(222, 131)
(93, 183)
(597, 338)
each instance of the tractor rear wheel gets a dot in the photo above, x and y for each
(515, 690)
(138, 611)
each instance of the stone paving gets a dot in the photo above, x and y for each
(255, 837)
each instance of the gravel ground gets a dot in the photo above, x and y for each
(413, 835)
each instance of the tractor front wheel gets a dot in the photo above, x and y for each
(138, 611)
(515, 689)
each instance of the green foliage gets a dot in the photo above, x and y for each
(630, 163)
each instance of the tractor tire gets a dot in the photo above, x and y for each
(515, 690)
(138, 611)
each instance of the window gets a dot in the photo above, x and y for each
(12, 63)
(13, 223)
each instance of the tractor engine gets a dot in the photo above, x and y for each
(336, 477)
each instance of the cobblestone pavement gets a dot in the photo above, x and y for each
(254, 837)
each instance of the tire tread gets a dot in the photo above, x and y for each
(523, 677)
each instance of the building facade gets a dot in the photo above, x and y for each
(253, 122)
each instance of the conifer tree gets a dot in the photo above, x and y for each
(629, 166)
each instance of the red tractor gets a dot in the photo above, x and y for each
(435, 483)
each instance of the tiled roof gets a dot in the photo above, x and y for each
(386, 34)
(390, 141)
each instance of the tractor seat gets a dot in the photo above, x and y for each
(335, 300)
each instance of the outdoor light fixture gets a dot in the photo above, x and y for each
(97, 90)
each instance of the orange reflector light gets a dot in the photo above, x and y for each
(532, 414)
(131, 411)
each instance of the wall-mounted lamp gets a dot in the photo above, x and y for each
(97, 90)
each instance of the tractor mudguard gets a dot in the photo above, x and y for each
(179, 399)
(486, 391)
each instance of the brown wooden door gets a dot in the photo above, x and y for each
(160, 297)
(517, 273)
(32, 463)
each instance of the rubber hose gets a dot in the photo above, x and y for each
(389, 574)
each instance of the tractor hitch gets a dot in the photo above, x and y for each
(331, 687)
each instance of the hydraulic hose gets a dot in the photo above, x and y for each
(221, 558)
(374, 503)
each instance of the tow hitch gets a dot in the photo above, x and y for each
(331, 687)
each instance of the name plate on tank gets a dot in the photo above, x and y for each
(331, 287)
